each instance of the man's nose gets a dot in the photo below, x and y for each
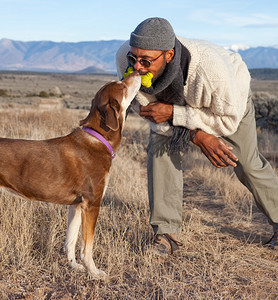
(137, 66)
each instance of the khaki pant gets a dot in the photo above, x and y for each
(165, 178)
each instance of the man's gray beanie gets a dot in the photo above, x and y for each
(153, 34)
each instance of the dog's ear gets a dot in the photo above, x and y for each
(112, 114)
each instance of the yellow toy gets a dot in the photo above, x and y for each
(146, 79)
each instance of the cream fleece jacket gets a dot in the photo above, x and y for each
(216, 89)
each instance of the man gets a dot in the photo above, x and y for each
(199, 92)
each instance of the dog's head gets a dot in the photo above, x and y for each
(111, 102)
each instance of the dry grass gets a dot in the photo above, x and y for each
(222, 257)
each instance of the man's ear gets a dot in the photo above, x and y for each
(112, 114)
(169, 55)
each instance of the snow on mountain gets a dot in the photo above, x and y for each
(237, 47)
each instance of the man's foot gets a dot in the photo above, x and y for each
(163, 245)
(274, 239)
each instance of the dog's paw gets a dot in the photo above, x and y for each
(98, 275)
(78, 267)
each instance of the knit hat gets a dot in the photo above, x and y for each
(153, 34)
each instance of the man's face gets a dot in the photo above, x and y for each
(159, 60)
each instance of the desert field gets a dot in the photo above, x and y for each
(268, 86)
(223, 231)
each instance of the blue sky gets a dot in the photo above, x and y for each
(247, 22)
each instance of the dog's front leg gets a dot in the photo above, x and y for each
(89, 219)
(74, 222)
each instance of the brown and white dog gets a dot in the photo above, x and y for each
(72, 169)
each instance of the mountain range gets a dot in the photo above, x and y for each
(96, 56)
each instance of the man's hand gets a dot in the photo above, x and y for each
(157, 112)
(215, 149)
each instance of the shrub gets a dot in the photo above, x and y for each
(266, 106)
(43, 94)
(3, 93)
(31, 95)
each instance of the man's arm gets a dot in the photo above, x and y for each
(214, 148)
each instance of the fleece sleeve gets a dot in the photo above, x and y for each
(121, 61)
(204, 119)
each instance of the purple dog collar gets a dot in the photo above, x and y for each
(101, 138)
